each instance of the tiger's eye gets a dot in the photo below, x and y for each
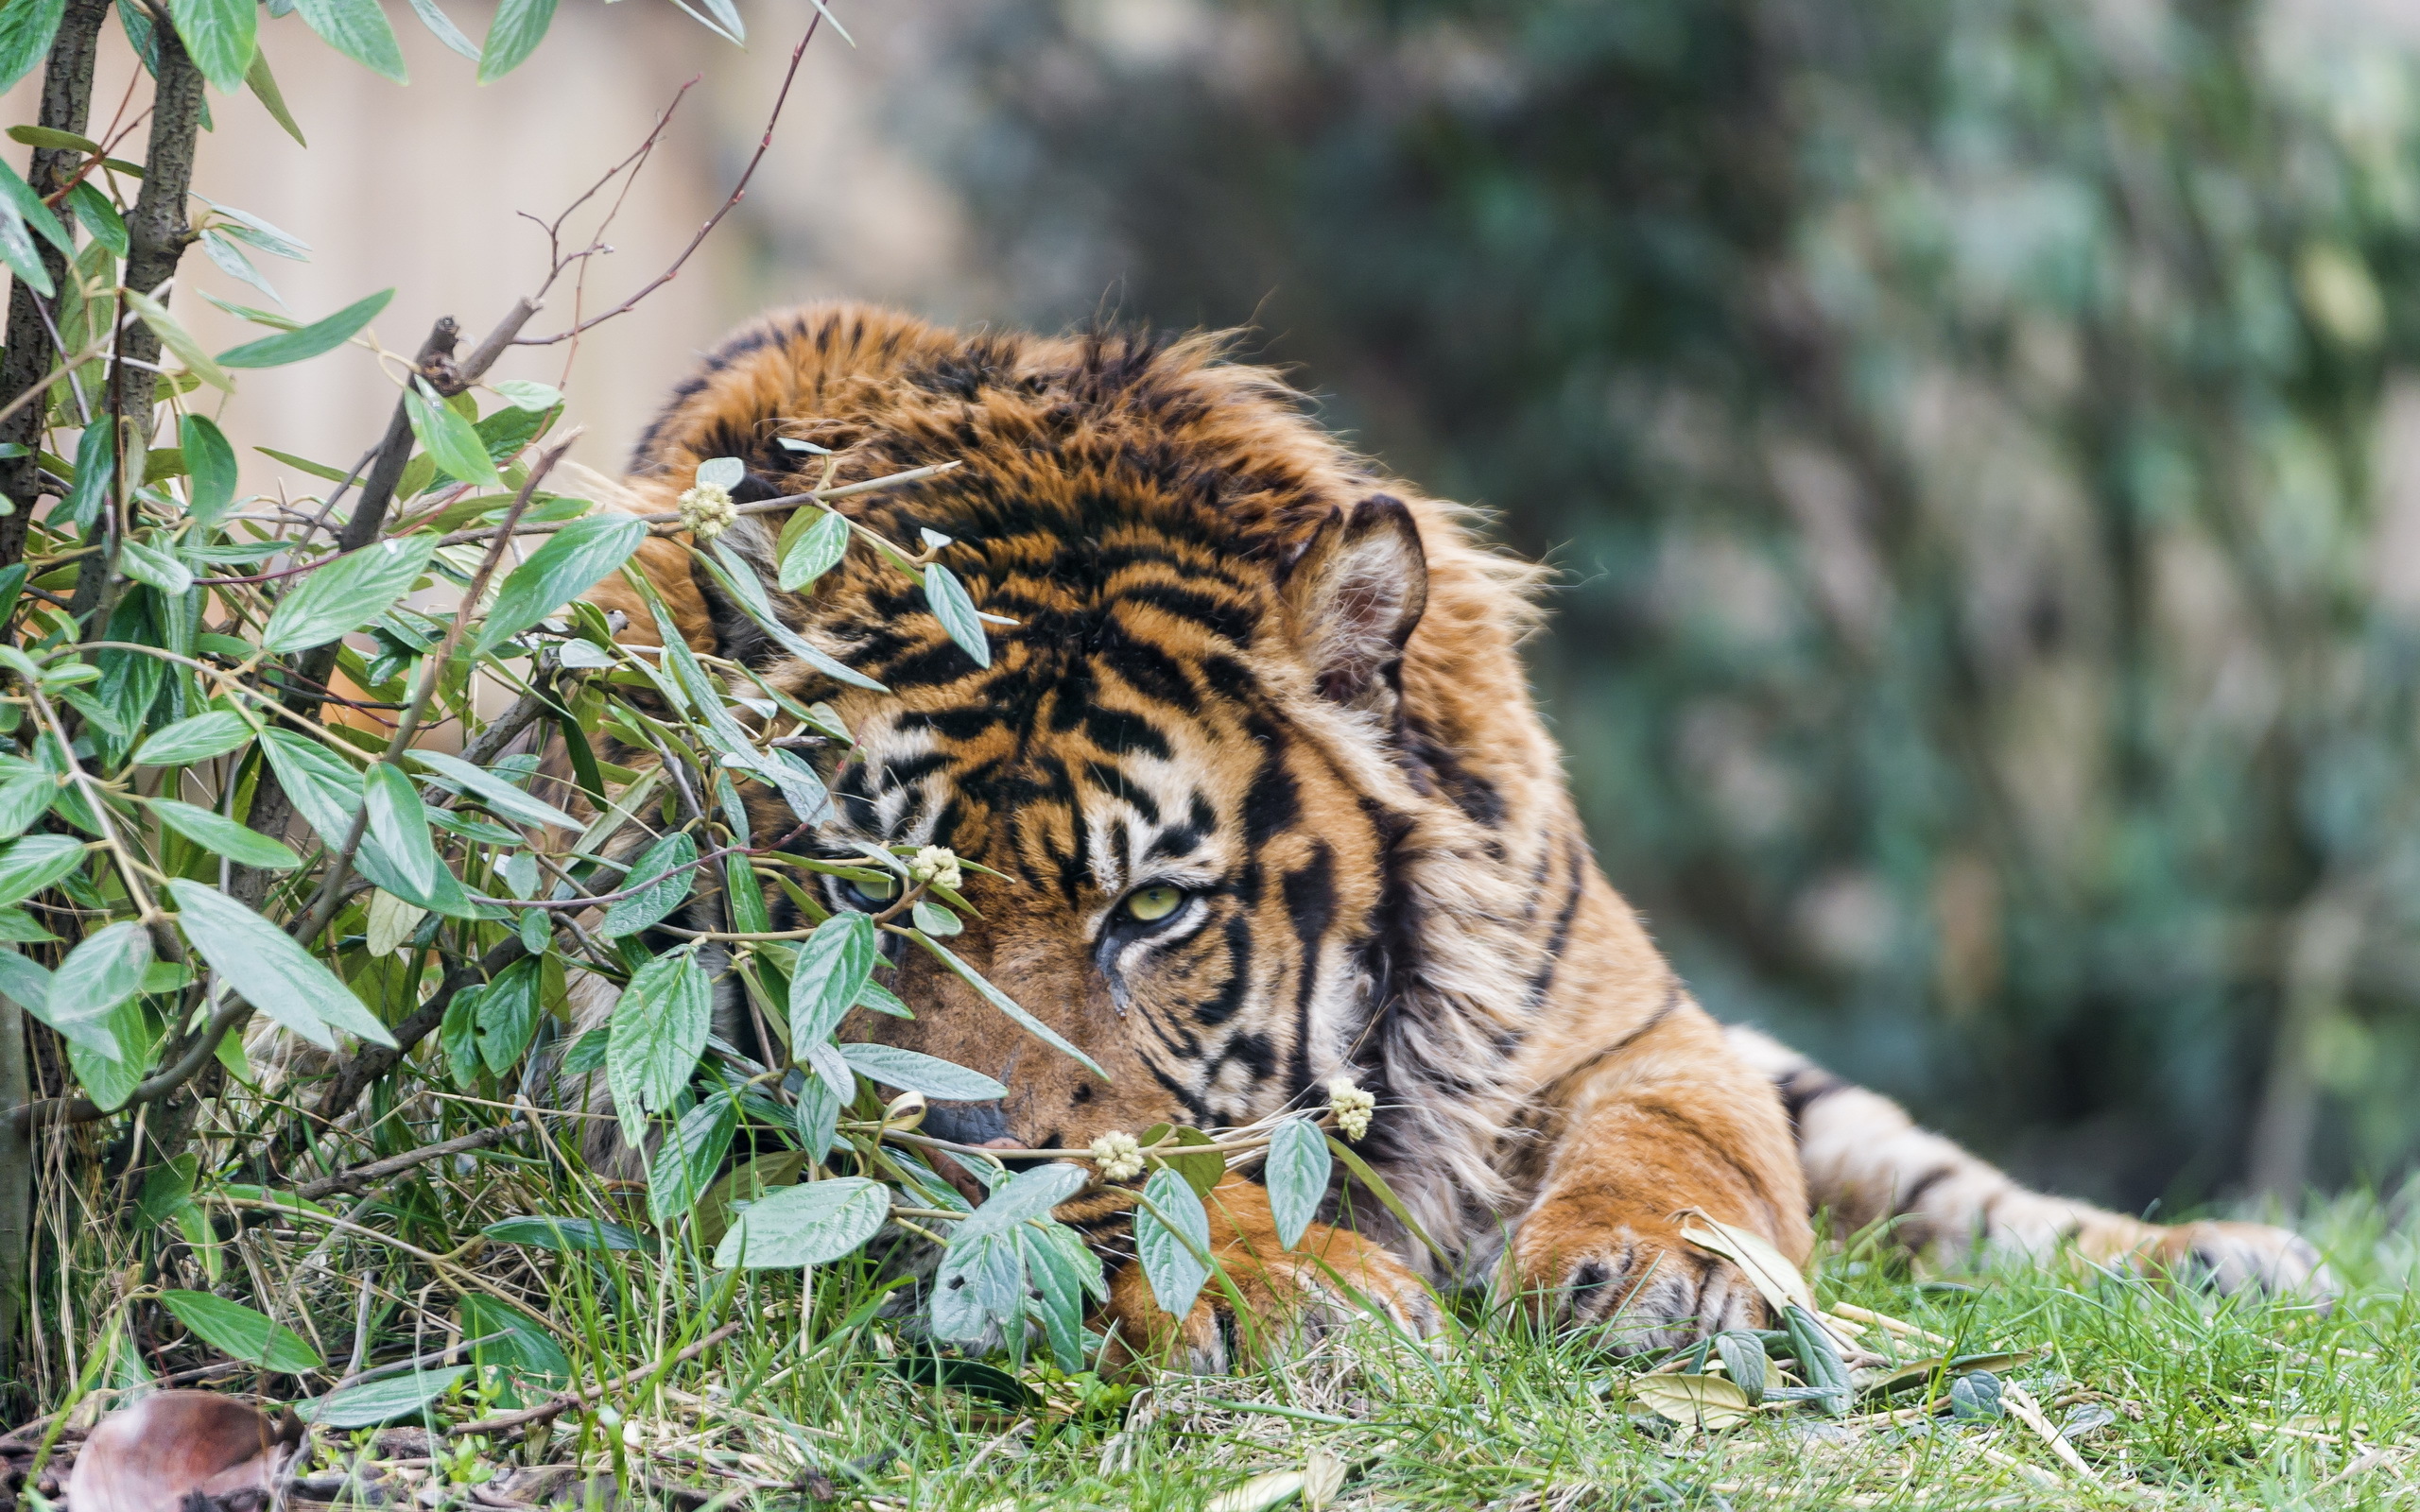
(875, 890)
(1151, 904)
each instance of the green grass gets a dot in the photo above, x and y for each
(2208, 1403)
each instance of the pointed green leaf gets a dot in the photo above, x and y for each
(741, 580)
(810, 1225)
(453, 442)
(1296, 1174)
(685, 1163)
(913, 1071)
(25, 29)
(817, 551)
(658, 1031)
(273, 973)
(218, 37)
(102, 972)
(210, 469)
(509, 1014)
(1173, 1256)
(400, 823)
(197, 739)
(358, 29)
(346, 593)
(311, 340)
(222, 835)
(28, 866)
(834, 965)
(518, 27)
(497, 796)
(955, 612)
(377, 1401)
(574, 559)
(264, 87)
(146, 564)
(235, 1330)
(663, 875)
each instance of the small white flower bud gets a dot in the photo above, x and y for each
(706, 510)
(1118, 1155)
(938, 864)
(1352, 1106)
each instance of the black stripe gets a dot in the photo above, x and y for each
(1908, 1199)
(1543, 983)
(1311, 904)
(1802, 1089)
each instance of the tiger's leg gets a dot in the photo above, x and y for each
(1671, 1121)
(1867, 1162)
(1290, 1297)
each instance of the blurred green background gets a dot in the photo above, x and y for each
(1986, 628)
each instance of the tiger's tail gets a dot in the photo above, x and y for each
(1867, 1162)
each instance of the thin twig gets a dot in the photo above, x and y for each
(739, 191)
(374, 1172)
(669, 522)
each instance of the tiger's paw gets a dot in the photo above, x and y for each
(2233, 1257)
(1635, 1283)
(1292, 1299)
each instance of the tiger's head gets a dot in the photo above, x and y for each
(1250, 770)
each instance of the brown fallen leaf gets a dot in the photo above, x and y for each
(155, 1454)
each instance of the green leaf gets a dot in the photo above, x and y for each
(834, 965)
(663, 875)
(103, 971)
(317, 470)
(221, 836)
(264, 87)
(39, 217)
(525, 393)
(542, 1232)
(376, 1402)
(518, 27)
(528, 1351)
(685, 1163)
(313, 339)
(198, 739)
(235, 1330)
(741, 580)
(358, 29)
(99, 217)
(574, 559)
(509, 1013)
(401, 825)
(210, 469)
(453, 442)
(346, 593)
(218, 37)
(23, 795)
(1172, 1258)
(17, 250)
(44, 136)
(910, 1071)
(177, 339)
(658, 1031)
(17, 927)
(146, 565)
(1028, 1197)
(498, 795)
(1008, 1005)
(955, 612)
(25, 29)
(1296, 1174)
(810, 1225)
(817, 551)
(273, 973)
(28, 866)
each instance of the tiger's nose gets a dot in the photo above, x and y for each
(979, 1124)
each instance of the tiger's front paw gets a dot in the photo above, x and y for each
(1292, 1300)
(1634, 1282)
(2233, 1257)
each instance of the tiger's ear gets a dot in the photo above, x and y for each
(1355, 595)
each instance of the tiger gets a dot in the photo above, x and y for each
(1264, 816)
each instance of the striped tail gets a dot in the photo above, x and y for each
(1867, 1162)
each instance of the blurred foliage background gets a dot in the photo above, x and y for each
(1979, 445)
(1984, 645)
